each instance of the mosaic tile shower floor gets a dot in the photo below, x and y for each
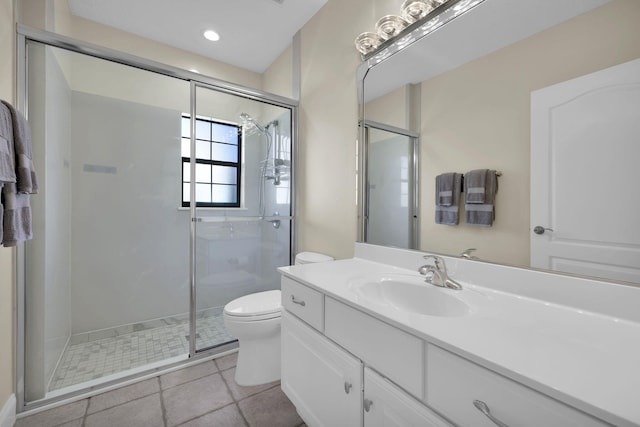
(97, 354)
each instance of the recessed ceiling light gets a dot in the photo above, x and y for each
(211, 35)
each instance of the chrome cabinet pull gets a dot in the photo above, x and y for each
(482, 407)
(538, 229)
(293, 300)
(367, 404)
(347, 387)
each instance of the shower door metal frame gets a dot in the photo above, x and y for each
(414, 164)
(26, 34)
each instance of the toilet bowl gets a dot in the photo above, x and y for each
(254, 320)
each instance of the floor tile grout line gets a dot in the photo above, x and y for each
(162, 406)
(235, 401)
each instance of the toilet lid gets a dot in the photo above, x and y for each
(257, 304)
(312, 257)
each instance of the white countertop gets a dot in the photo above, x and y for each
(590, 361)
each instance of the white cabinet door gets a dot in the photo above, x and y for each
(386, 405)
(323, 381)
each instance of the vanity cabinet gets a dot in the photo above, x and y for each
(461, 390)
(344, 367)
(323, 381)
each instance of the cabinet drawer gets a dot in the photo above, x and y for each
(390, 351)
(303, 301)
(454, 383)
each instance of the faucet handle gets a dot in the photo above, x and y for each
(438, 261)
(467, 253)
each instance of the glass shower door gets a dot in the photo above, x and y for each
(391, 188)
(238, 168)
(106, 274)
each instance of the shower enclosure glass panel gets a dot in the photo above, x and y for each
(242, 182)
(107, 271)
(390, 193)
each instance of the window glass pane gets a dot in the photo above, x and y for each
(203, 150)
(185, 147)
(224, 152)
(225, 175)
(203, 130)
(224, 193)
(224, 133)
(203, 173)
(203, 193)
(186, 127)
(186, 192)
(186, 171)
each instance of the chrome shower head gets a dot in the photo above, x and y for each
(249, 121)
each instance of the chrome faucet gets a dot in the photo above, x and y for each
(437, 273)
(467, 254)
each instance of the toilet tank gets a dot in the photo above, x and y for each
(311, 257)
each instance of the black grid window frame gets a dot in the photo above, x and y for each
(213, 162)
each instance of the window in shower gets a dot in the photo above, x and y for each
(217, 158)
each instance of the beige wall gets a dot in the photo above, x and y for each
(7, 86)
(328, 131)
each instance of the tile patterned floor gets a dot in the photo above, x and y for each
(97, 354)
(197, 396)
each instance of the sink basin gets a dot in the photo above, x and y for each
(410, 294)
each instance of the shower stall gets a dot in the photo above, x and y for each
(164, 195)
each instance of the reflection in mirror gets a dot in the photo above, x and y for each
(475, 77)
(391, 214)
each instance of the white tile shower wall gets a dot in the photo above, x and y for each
(129, 240)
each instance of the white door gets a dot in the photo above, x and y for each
(323, 381)
(585, 174)
(385, 405)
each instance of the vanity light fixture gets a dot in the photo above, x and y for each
(390, 26)
(211, 35)
(419, 18)
(413, 10)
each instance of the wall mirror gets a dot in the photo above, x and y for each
(491, 87)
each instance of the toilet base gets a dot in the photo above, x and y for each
(258, 361)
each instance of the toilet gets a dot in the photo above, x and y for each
(254, 320)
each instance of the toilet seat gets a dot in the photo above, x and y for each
(253, 307)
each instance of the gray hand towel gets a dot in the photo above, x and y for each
(475, 186)
(16, 221)
(14, 196)
(483, 214)
(7, 168)
(25, 173)
(445, 188)
(450, 215)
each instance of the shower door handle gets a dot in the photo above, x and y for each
(299, 302)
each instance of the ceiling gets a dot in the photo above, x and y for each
(253, 33)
